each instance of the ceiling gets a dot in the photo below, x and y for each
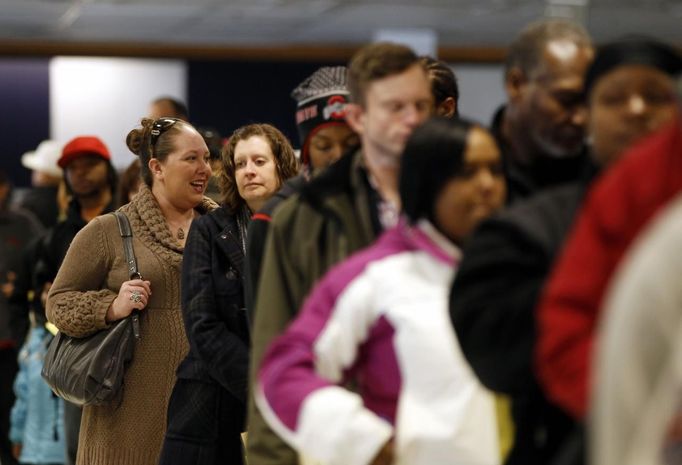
(301, 23)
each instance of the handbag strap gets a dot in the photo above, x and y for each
(127, 235)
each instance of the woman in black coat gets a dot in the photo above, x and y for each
(206, 413)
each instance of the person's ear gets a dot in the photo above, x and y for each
(447, 108)
(155, 168)
(514, 83)
(355, 117)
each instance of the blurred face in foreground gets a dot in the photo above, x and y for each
(478, 190)
(550, 101)
(626, 104)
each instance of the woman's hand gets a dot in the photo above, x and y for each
(385, 455)
(133, 295)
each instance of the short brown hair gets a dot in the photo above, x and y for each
(286, 163)
(377, 61)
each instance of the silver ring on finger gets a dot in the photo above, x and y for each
(136, 297)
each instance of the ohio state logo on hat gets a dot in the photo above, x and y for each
(336, 107)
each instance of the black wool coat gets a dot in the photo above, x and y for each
(213, 304)
(207, 409)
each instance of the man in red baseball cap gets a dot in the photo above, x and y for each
(83, 146)
(91, 181)
(88, 174)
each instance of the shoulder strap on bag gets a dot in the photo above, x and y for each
(127, 235)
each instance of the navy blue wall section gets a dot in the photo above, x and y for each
(227, 95)
(25, 112)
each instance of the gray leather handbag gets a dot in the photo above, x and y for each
(90, 370)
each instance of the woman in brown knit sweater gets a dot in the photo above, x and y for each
(92, 289)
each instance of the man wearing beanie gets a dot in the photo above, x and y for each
(339, 211)
(508, 261)
(91, 181)
(324, 136)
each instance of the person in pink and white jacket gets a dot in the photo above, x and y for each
(379, 321)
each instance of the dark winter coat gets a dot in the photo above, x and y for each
(206, 413)
(493, 300)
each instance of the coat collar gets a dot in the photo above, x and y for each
(424, 236)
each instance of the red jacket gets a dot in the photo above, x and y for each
(618, 206)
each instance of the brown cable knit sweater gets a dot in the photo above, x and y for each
(87, 283)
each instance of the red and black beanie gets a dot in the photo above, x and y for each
(322, 99)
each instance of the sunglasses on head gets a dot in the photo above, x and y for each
(160, 126)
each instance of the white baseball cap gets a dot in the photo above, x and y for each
(44, 158)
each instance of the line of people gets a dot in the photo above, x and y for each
(412, 289)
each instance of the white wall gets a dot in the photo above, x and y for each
(481, 90)
(106, 97)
